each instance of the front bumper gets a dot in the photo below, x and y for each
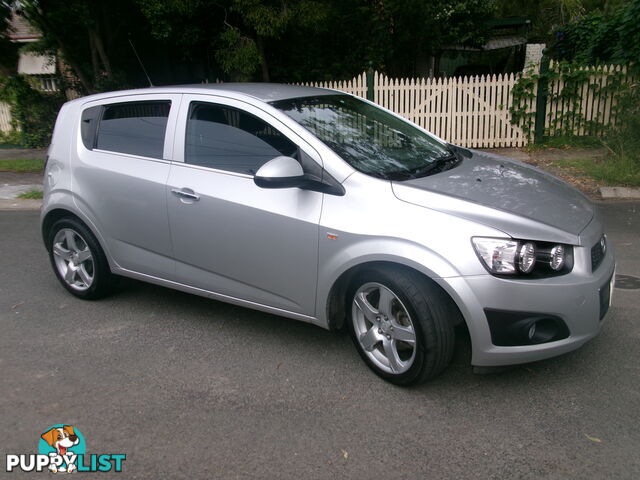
(575, 298)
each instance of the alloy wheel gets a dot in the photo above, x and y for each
(73, 259)
(384, 328)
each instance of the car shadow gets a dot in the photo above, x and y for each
(242, 322)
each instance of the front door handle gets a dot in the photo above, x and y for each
(186, 193)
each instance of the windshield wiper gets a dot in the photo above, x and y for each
(440, 164)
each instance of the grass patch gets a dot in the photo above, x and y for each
(566, 142)
(610, 170)
(22, 165)
(31, 195)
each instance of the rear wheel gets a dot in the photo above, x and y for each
(78, 260)
(401, 324)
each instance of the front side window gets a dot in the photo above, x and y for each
(229, 139)
(370, 139)
(136, 128)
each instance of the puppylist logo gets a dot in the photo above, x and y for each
(62, 449)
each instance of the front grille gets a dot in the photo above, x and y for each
(597, 254)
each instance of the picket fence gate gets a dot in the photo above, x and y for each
(468, 111)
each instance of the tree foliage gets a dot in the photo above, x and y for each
(280, 40)
(32, 110)
(600, 37)
(548, 15)
(8, 50)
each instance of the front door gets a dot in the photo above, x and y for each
(229, 235)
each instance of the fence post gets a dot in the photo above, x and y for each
(370, 86)
(541, 99)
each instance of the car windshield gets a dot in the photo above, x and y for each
(370, 139)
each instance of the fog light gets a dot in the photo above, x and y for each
(532, 331)
(557, 258)
(526, 257)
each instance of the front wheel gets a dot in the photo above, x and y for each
(401, 324)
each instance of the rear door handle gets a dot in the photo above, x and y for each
(185, 193)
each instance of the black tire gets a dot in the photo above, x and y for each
(103, 281)
(432, 314)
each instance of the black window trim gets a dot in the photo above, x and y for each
(95, 126)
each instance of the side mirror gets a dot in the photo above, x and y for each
(286, 172)
(280, 172)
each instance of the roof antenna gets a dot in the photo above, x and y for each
(140, 61)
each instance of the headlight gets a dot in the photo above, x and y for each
(508, 256)
(557, 257)
(526, 257)
(498, 254)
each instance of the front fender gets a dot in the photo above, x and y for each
(333, 262)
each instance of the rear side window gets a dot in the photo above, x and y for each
(226, 138)
(136, 128)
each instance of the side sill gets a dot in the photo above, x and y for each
(218, 296)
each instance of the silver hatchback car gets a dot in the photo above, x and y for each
(323, 207)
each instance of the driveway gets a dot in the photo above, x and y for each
(192, 388)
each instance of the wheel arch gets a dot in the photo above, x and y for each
(52, 216)
(336, 300)
(59, 212)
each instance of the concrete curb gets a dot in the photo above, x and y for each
(20, 204)
(10, 192)
(620, 193)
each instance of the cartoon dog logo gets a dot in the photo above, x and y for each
(61, 438)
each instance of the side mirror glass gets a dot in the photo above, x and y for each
(280, 172)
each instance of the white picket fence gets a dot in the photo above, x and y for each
(474, 111)
(596, 106)
(356, 86)
(468, 111)
(5, 117)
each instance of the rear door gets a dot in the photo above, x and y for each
(229, 235)
(120, 175)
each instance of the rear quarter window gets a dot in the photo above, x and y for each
(89, 126)
(135, 128)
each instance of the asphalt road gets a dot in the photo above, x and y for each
(192, 388)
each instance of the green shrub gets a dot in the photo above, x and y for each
(624, 137)
(32, 110)
(11, 138)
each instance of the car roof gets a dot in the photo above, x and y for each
(266, 92)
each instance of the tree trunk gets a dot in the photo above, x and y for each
(94, 57)
(263, 59)
(97, 41)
